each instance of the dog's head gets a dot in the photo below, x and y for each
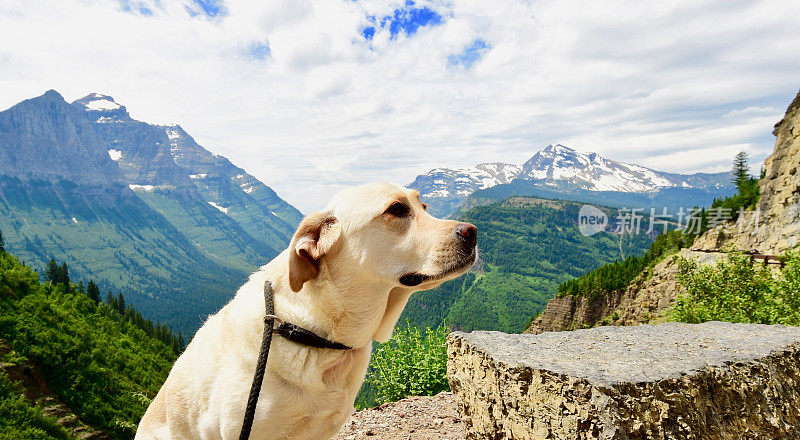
(381, 233)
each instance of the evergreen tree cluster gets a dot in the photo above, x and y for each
(747, 192)
(58, 275)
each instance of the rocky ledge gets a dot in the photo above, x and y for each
(668, 381)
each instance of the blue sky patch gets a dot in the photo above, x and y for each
(135, 7)
(407, 19)
(470, 55)
(259, 50)
(210, 8)
(368, 32)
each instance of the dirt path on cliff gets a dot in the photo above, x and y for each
(414, 418)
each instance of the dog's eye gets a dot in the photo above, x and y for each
(425, 206)
(398, 210)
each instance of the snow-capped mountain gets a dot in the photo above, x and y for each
(446, 187)
(556, 168)
(560, 166)
(137, 207)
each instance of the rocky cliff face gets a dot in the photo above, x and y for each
(191, 182)
(711, 381)
(46, 138)
(777, 224)
(645, 300)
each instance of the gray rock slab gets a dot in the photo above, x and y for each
(670, 381)
(644, 353)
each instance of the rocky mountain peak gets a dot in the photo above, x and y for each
(47, 138)
(102, 107)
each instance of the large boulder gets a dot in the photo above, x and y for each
(669, 381)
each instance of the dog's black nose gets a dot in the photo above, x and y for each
(468, 233)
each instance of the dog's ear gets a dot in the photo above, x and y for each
(315, 236)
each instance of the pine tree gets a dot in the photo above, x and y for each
(111, 300)
(93, 292)
(741, 170)
(2, 243)
(64, 275)
(52, 273)
(121, 304)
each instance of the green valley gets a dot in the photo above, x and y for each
(527, 247)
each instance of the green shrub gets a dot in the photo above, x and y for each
(411, 363)
(97, 361)
(736, 290)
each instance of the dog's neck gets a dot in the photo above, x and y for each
(335, 305)
(354, 312)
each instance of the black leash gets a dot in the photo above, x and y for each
(289, 331)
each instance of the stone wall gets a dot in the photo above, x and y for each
(709, 381)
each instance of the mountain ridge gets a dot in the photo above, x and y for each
(561, 169)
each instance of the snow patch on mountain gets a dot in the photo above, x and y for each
(102, 105)
(141, 187)
(221, 208)
(173, 133)
(98, 103)
(115, 155)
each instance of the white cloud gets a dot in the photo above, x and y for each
(678, 86)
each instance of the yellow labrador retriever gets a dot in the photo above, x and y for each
(346, 276)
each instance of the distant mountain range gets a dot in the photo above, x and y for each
(139, 208)
(562, 172)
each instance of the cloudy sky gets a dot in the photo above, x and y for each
(310, 96)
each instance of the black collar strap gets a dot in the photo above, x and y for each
(300, 335)
(288, 331)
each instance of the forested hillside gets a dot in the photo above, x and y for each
(102, 360)
(527, 247)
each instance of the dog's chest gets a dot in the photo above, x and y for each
(312, 403)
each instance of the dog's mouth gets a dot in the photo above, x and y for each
(415, 278)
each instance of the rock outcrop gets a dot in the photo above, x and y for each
(646, 300)
(669, 381)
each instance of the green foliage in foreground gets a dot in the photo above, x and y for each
(412, 363)
(736, 290)
(19, 420)
(620, 273)
(93, 358)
